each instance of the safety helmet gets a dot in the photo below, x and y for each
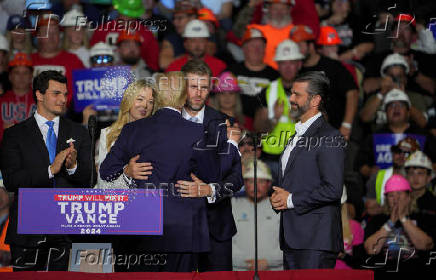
(301, 33)
(74, 17)
(419, 159)
(252, 33)
(129, 35)
(288, 50)
(395, 95)
(328, 36)
(263, 171)
(196, 29)
(397, 183)
(20, 59)
(207, 15)
(130, 8)
(226, 82)
(101, 48)
(392, 60)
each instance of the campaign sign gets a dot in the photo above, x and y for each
(103, 87)
(90, 211)
(383, 143)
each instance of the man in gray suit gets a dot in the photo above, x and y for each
(310, 181)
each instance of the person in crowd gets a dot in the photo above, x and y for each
(394, 71)
(137, 103)
(129, 13)
(129, 50)
(5, 251)
(310, 186)
(50, 56)
(420, 64)
(353, 235)
(376, 184)
(247, 148)
(397, 108)
(196, 36)
(227, 99)
(222, 9)
(18, 104)
(101, 55)
(75, 35)
(35, 154)
(4, 53)
(18, 36)
(253, 74)
(342, 99)
(273, 117)
(400, 228)
(270, 257)
(172, 45)
(225, 149)
(185, 224)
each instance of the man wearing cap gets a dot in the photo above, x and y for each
(50, 56)
(270, 257)
(172, 45)
(253, 74)
(343, 96)
(129, 12)
(129, 50)
(196, 36)
(375, 186)
(20, 39)
(17, 104)
(273, 117)
(311, 180)
(421, 65)
(394, 71)
(397, 107)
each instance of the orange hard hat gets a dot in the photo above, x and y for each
(252, 33)
(328, 36)
(21, 59)
(207, 14)
(129, 35)
(301, 33)
(406, 18)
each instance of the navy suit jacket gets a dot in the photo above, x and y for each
(223, 157)
(314, 176)
(166, 140)
(25, 160)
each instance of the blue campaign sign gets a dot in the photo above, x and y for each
(383, 143)
(102, 87)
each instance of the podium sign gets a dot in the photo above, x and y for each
(90, 211)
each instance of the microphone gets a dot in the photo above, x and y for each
(92, 127)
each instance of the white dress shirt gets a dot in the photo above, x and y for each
(43, 127)
(300, 129)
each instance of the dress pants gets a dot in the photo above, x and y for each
(308, 259)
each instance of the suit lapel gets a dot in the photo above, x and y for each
(309, 133)
(37, 140)
(63, 134)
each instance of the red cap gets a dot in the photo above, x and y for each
(406, 18)
(328, 36)
(129, 35)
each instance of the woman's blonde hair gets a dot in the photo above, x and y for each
(171, 90)
(27, 43)
(239, 115)
(126, 104)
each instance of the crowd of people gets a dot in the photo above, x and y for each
(241, 60)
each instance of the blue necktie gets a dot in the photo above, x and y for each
(194, 119)
(51, 141)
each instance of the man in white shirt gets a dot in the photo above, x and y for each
(310, 181)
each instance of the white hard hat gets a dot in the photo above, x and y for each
(418, 159)
(288, 50)
(344, 196)
(101, 49)
(4, 44)
(196, 29)
(73, 17)
(263, 171)
(396, 95)
(391, 60)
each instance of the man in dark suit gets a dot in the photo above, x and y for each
(221, 139)
(35, 154)
(166, 140)
(310, 181)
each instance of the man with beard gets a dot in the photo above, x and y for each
(196, 36)
(311, 171)
(129, 49)
(273, 117)
(222, 142)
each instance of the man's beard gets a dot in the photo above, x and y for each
(278, 23)
(198, 55)
(194, 108)
(297, 113)
(131, 60)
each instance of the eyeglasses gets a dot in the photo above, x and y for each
(101, 59)
(397, 150)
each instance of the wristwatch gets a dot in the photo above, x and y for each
(404, 219)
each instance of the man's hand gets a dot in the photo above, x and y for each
(56, 166)
(71, 158)
(403, 206)
(279, 199)
(394, 213)
(261, 264)
(279, 107)
(138, 170)
(197, 188)
(87, 112)
(233, 132)
(346, 132)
